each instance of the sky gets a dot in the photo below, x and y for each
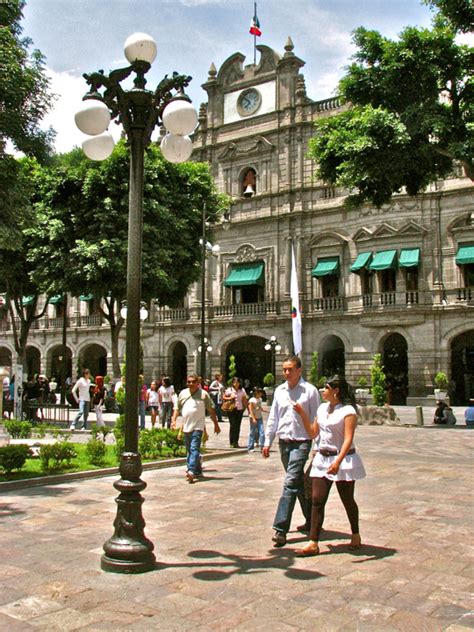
(78, 36)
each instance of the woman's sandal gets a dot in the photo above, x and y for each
(308, 551)
(355, 543)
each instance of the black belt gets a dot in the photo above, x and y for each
(325, 452)
(297, 441)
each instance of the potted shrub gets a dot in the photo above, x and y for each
(362, 390)
(441, 384)
(268, 384)
(379, 385)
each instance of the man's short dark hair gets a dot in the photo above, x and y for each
(296, 360)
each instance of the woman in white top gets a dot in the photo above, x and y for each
(166, 392)
(153, 402)
(336, 459)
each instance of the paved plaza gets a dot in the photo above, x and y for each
(217, 569)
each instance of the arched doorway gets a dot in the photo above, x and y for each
(331, 354)
(462, 368)
(395, 363)
(180, 366)
(5, 357)
(251, 360)
(94, 358)
(33, 361)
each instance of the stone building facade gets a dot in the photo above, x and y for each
(398, 281)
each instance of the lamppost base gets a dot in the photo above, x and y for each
(128, 550)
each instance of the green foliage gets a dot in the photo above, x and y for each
(156, 443)
(119, 434)
(395, 135)
(13, 457)
(458, 13)
(57, 455)
(313, 371)
(378, 380)
(96, 451)
(99, 432)
(268, 379)
(18, 429)
(232, 371)
(362, 382)
(322, 381)
(441, 381)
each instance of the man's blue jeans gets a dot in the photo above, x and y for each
(294, 455)
(84, 408)
(192, 441)
(142, 412)
(256, 432)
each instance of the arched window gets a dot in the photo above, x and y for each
(249, 182)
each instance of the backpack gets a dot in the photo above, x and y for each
(449, 416)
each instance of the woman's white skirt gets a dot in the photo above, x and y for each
(351, 468)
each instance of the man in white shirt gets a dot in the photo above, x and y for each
(294, 442)
(192, 404)
(81, 393)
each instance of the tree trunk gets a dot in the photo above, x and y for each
(115, 329)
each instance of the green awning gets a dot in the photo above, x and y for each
(246, 274)
(384, 260)
(409, 258)
(325, 267)
(362, 261)
(86, 297)
(465, 254)
(54, 300)
(27, 300)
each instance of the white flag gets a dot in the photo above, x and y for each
(295, 306)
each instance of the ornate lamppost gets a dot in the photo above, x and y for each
(139, 111)
(274, 346)
(206, 248)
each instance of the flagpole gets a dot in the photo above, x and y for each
(254, 37)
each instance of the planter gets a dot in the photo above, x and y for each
(269, 390)
(440, 394)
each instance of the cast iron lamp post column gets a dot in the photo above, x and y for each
(206, 247)
(139, 111)
(273, 345)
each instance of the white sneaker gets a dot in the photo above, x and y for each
(71, 427)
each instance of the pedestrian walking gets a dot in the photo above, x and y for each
(294, 441)
(335, 461)
(256, 430)
(237, 397)
(216, 391)
(166, 393)
(81, 394)
(153, 402)
(192, 404)
(98, 397)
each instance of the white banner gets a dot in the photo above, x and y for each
(295, 306)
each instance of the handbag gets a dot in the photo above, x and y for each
(228, 406)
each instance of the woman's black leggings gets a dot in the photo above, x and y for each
(235, 419)
(320, 493)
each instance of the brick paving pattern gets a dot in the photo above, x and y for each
(217, 569)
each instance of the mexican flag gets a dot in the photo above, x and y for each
(255, 26)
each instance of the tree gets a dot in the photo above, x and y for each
(22, 292)
(459, 13)
(410, 114)
(24, 100)
(81, 243)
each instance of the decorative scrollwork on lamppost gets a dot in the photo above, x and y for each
(275, 347)
(139, 111)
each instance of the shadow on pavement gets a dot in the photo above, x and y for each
(242, 565)
(8, 510)
(368, 552)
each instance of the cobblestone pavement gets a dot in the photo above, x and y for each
(217, 569)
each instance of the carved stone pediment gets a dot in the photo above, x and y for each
(257, 145)
(384, 230)
(412, 228)
(268, 60)
(363, 234)
(232, 70)
(246, 253)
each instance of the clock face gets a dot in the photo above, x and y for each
(249, 101)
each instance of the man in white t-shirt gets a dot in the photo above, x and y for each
(81, 393)
(192, 404)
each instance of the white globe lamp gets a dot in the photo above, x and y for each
(93, 118)
(140, 47)
(176, 148)
(180, 117)
(99, 147)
